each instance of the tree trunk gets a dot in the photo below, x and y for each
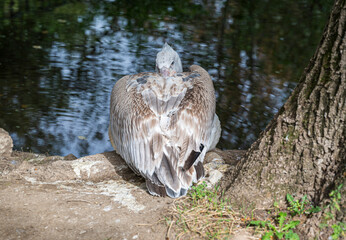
(303, 149)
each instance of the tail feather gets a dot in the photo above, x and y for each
(173, 181)
(199, 170)
(155, 189)
(168, 175)
(192, 158)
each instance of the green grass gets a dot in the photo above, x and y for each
(206, 214)
(300, 207)
(282, 227)
(329, 216)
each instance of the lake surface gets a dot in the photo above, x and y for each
(60, 59)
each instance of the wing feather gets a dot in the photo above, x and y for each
(158, 127)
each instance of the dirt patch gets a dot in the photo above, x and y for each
(94, 197)
(88, 198)
(49, 211)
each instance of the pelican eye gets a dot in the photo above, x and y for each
(172, 63)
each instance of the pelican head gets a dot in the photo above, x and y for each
(168, 62)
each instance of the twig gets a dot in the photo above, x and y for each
(78, 200)
(169, 228)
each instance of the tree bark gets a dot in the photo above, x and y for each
(302, 150)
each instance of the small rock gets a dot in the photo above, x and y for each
(6, 144)
(107, 208)
(20, 231)
(214, 177)
(92, 168)
(212, 157)
(70, 157)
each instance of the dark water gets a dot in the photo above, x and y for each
(60, 59)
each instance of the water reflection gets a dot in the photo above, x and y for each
(59, 60)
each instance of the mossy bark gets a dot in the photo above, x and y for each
(303, 149)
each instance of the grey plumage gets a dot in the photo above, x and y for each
(163, 124)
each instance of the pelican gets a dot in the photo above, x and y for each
(162, 123)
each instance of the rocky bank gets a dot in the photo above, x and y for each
(93, 197)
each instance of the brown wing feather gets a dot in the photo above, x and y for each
(158, 127)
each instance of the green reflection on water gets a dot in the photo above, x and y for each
(59, 60)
